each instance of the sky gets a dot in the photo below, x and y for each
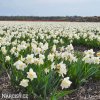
(49, 7)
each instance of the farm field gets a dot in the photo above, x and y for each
(49, 60)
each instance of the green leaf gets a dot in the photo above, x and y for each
(60, 94)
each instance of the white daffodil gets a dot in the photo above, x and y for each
(51, 57)
(3, 49)
(46, 70)
(13, 49)
(29, 59)
(96, 60)
(65, 83)
(7, 58)
(89, 52)
(24, 82)
(31, 74)
(37, 50)
(53, 66)
(20, 65)
(41, 56)
(62, 69)
(54, 48)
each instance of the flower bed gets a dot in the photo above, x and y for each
(40, 60)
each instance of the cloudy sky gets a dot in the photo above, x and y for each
(50, 7)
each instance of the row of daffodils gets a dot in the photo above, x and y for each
(40, 59)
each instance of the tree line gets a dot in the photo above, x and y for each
(51, 18)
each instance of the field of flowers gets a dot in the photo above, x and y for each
(40, 59)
